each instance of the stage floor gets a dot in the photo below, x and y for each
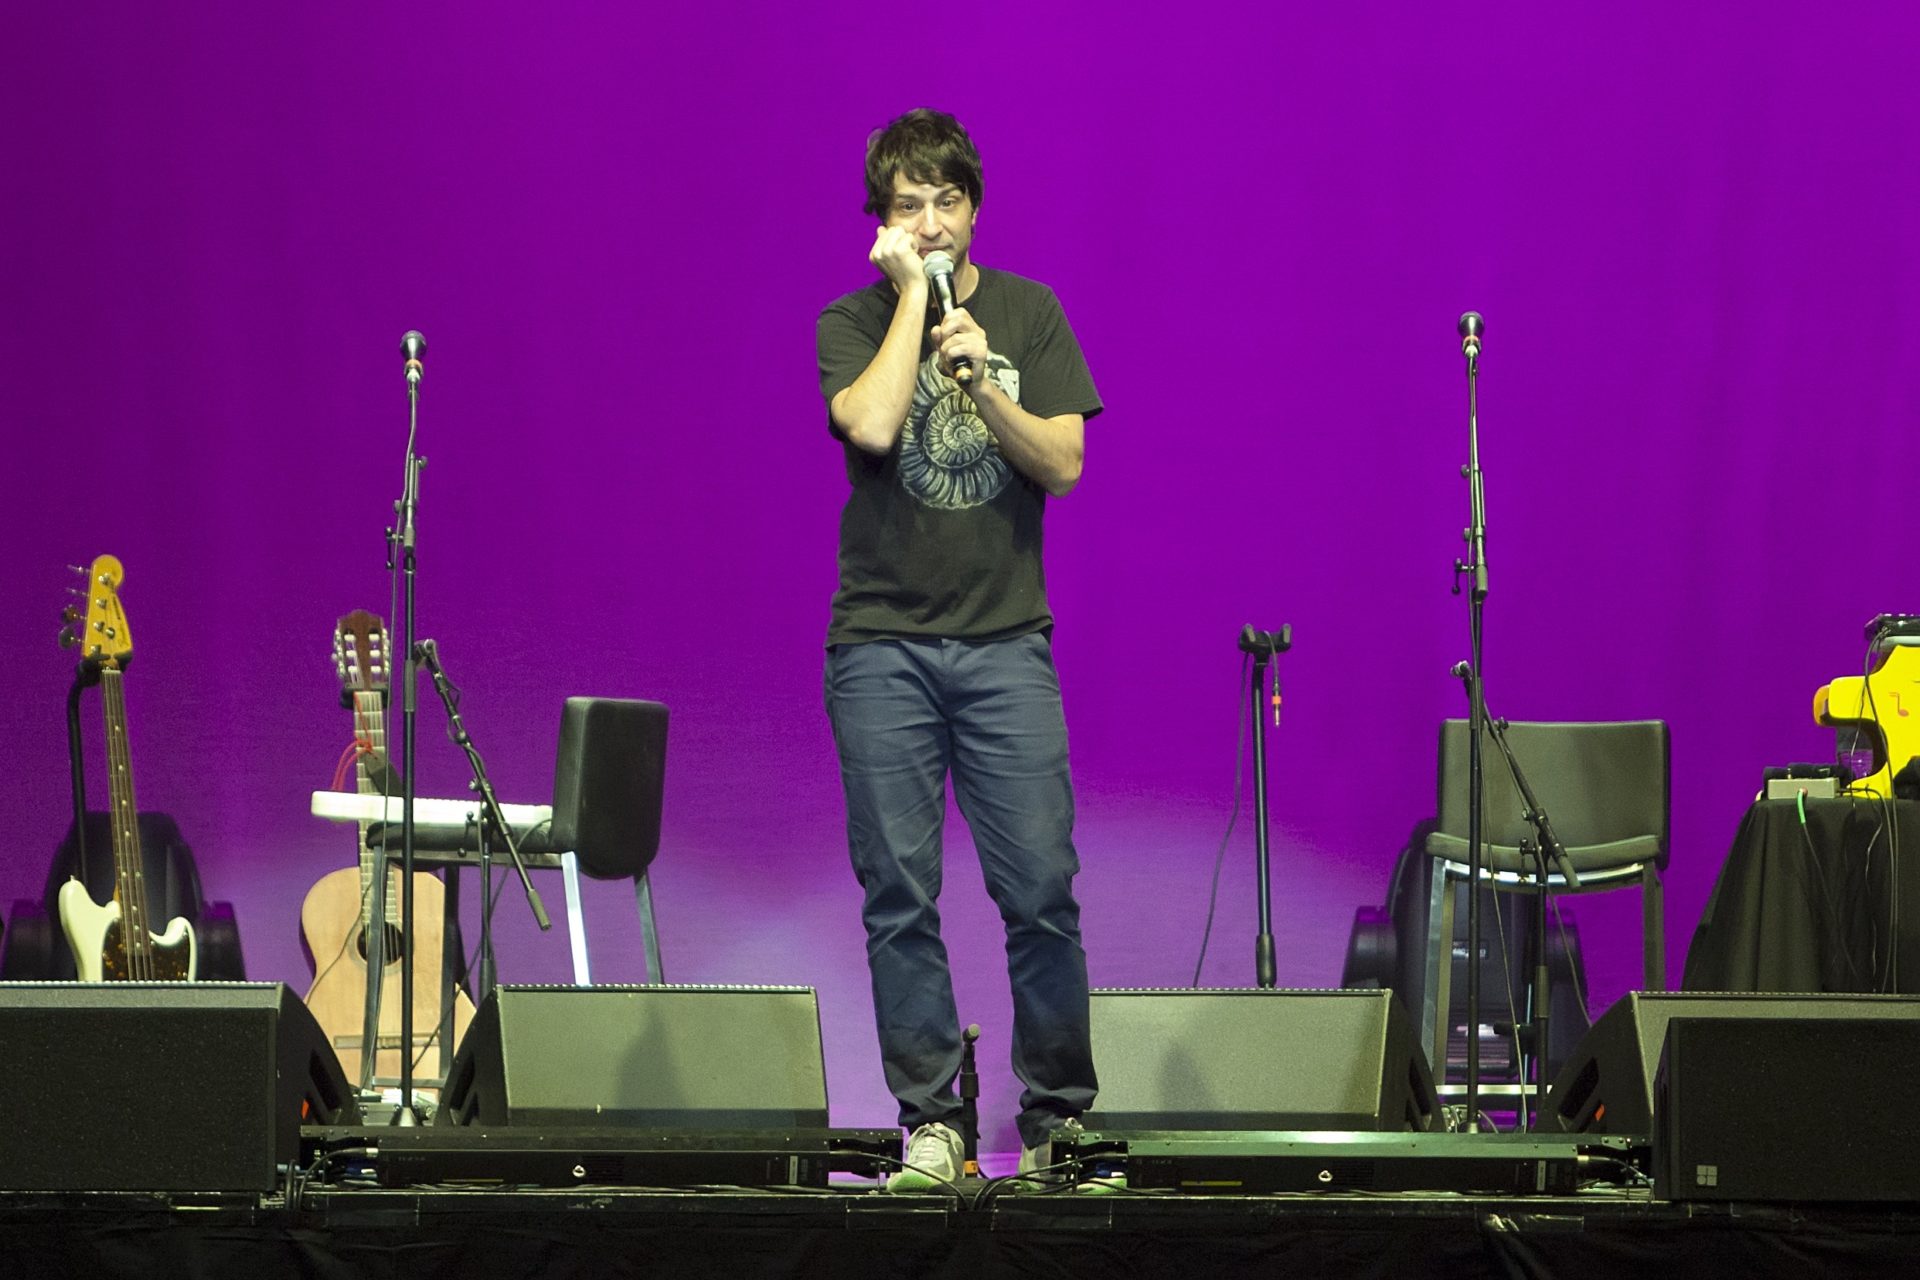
(846, 1230)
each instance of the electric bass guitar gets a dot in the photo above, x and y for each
(112, 942)
(338, 916)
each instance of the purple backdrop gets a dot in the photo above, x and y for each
(1691, 233)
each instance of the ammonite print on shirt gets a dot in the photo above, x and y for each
(948, 459)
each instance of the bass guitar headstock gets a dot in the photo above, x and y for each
(360, 655)
(100, 630)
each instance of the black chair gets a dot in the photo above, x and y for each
(1607, 787)
(35, 949)
(609, 779)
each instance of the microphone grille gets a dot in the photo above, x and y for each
(938, 263)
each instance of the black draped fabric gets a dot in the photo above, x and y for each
(1820, 897)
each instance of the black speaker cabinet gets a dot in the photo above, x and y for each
(1794, 1109)
(735, 1058)
(159, 1086)
(1257, 1059)
(1608, 1085)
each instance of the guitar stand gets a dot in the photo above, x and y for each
(84, 678)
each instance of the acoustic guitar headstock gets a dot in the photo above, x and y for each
(360, 655)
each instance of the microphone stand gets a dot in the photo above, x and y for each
(1475, 567)
(969, 1102)
(1263, 645)
(1546, 846)
(400, 545)
(491, 816)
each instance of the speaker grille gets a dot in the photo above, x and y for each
(1256, 1059)
(642, 1056)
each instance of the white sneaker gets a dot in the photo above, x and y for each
(935, 1154)
(1035, 1172)
(1036, 1163)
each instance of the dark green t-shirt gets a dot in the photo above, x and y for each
(941, 536)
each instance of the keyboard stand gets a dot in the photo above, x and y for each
(345, 806)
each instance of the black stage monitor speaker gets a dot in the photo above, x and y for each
(1787, 1109)
(740, 1058)
(159, 1086)
(1608, 1084)
(1257, 1059)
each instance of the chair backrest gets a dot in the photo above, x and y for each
(608, 782)
(1599, 782)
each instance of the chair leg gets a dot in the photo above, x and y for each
(1653, 928)
(650, 938)
(576, 919)
(1437, 995)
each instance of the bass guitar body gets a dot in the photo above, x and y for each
(332, 923)
(97, 934)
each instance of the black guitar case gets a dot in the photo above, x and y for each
(35, 950)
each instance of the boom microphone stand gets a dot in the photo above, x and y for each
(491, 815)
(1264, 646)
(1546, 846)
(1471, 328)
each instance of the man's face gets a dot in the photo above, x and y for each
(937, 215)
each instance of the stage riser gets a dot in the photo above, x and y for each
(1257, 1059)
(159, 1086)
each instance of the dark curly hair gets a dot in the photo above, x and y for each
(925, 145)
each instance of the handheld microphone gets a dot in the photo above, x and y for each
(939, 268)
(413, 345)
(1471, 328)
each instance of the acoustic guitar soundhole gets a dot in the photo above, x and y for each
(392, 942)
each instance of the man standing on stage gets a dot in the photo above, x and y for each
(955, 428)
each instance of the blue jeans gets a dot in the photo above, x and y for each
(905, 714)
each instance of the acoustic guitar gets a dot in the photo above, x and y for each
(337, 917)
(111, 941)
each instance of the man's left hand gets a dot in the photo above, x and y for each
(958, 338)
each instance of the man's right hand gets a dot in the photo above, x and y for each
(897, 257)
